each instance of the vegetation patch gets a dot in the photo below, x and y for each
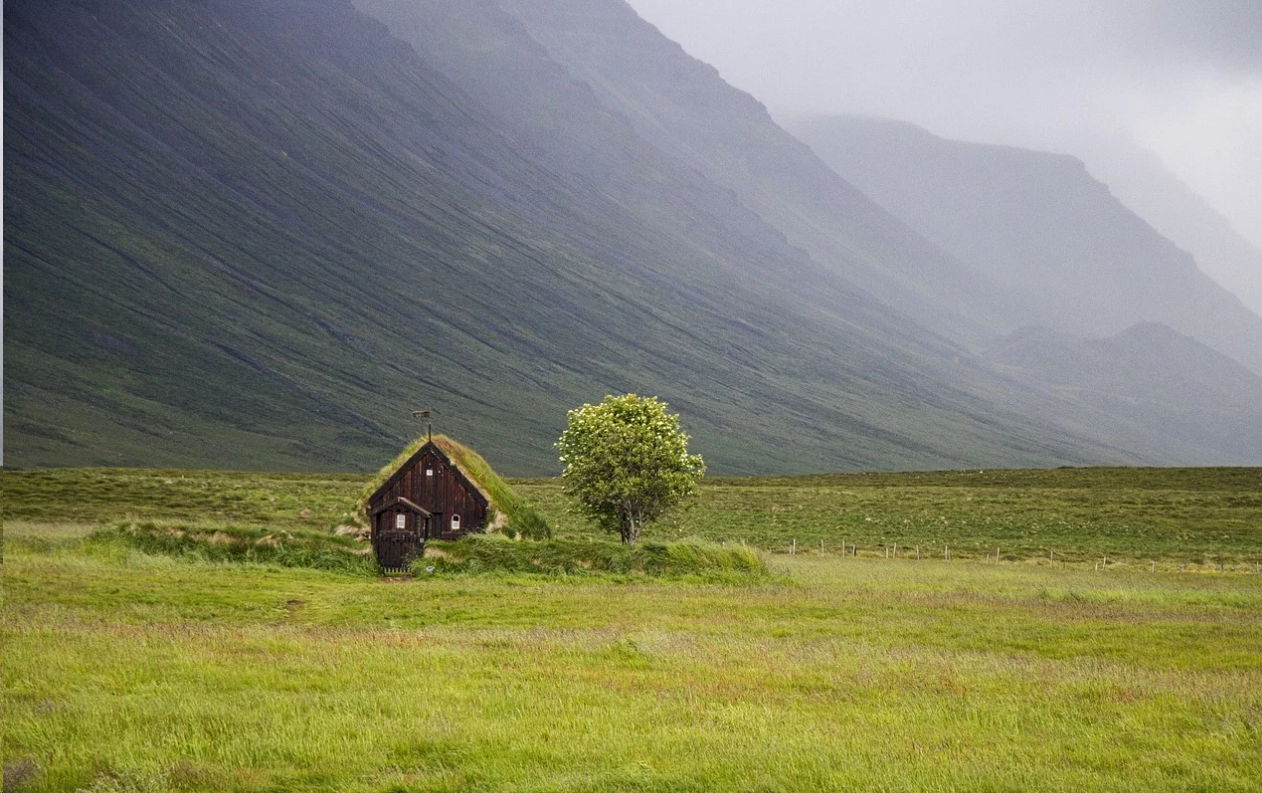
(1194, 519)
(315, 502)
(492, 554)
(124, 671)
(240, 545)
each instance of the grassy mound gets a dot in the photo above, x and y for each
(521, 518)
(241, 545)
(478, 554)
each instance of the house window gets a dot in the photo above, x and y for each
(400, 521)
(429, 471)
(455, 523)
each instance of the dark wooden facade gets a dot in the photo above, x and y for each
(429, 497)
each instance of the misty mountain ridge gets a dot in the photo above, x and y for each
(1041, 224)
(259, 234)
(683, 106)
(1139, 179)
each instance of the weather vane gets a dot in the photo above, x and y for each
(429, 425)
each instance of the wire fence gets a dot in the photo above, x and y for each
(1050, 557)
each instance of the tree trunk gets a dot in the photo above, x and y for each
(631, 528)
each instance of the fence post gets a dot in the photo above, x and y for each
(793, 549)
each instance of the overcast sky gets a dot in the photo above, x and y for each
(1181, 78)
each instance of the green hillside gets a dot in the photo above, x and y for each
(255, 237)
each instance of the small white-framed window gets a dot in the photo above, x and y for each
(400, 521)
(455, 523)
(429, 471)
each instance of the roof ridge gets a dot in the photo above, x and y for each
(467, 463)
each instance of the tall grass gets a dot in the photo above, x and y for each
(581, 557)
(140, 673)
(1194, 517)
(235, 544)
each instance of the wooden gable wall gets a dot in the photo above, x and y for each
(443, 493)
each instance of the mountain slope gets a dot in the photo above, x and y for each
(258, 234)
(683, 107)
(1039, 223)
(1148, 376)
(1144, 185)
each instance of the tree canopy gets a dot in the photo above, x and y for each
(626, 462)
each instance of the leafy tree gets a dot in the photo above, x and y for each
(626, 462)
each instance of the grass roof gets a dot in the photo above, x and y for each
(519, 516)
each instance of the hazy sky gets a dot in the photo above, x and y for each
(1182, 78)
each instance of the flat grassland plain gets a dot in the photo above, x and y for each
(1036, 668)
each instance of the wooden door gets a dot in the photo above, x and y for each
(397, 540)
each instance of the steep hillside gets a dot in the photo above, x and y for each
(1149, 376)
(1039, 223)
(684, 107)
(257, 234)
(1144, 185)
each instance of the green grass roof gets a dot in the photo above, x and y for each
(518, 515)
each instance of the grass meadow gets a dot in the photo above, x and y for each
(128, 671)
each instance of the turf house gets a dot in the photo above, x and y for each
(439, 489)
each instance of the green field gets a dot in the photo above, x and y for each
(132, 672)
(1192, 518)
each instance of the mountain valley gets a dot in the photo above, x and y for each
(246, 235)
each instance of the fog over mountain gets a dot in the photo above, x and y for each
(1146, 186)
(255, 234)
(266, 259)
(1039, 223)
(1179, 77)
